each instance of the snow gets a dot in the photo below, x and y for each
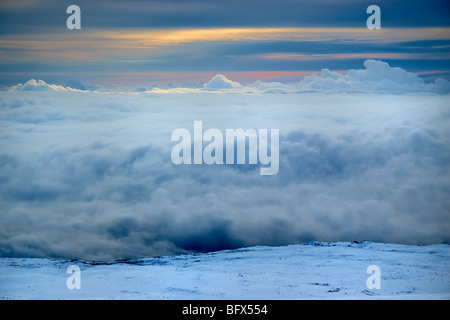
(315, 270)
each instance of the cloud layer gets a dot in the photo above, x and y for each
(376, 77)
(88, 174)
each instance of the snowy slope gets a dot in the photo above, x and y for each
(310, 271)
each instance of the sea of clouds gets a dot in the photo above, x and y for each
(364, 155)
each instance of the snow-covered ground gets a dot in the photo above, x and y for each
(316, 270)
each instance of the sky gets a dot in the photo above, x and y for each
(86, 118)
(146, 43)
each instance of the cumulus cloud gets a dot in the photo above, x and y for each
(89, 175)
(39, 85)
(220, 82)
(378, 77)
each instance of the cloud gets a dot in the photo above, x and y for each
(39, 85)
(220, 82)
(381, 77)
(88, 174)
(378, 76)
(272, 87)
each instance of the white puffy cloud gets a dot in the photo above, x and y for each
(378, 77)
(39, 85)
(220, 82)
